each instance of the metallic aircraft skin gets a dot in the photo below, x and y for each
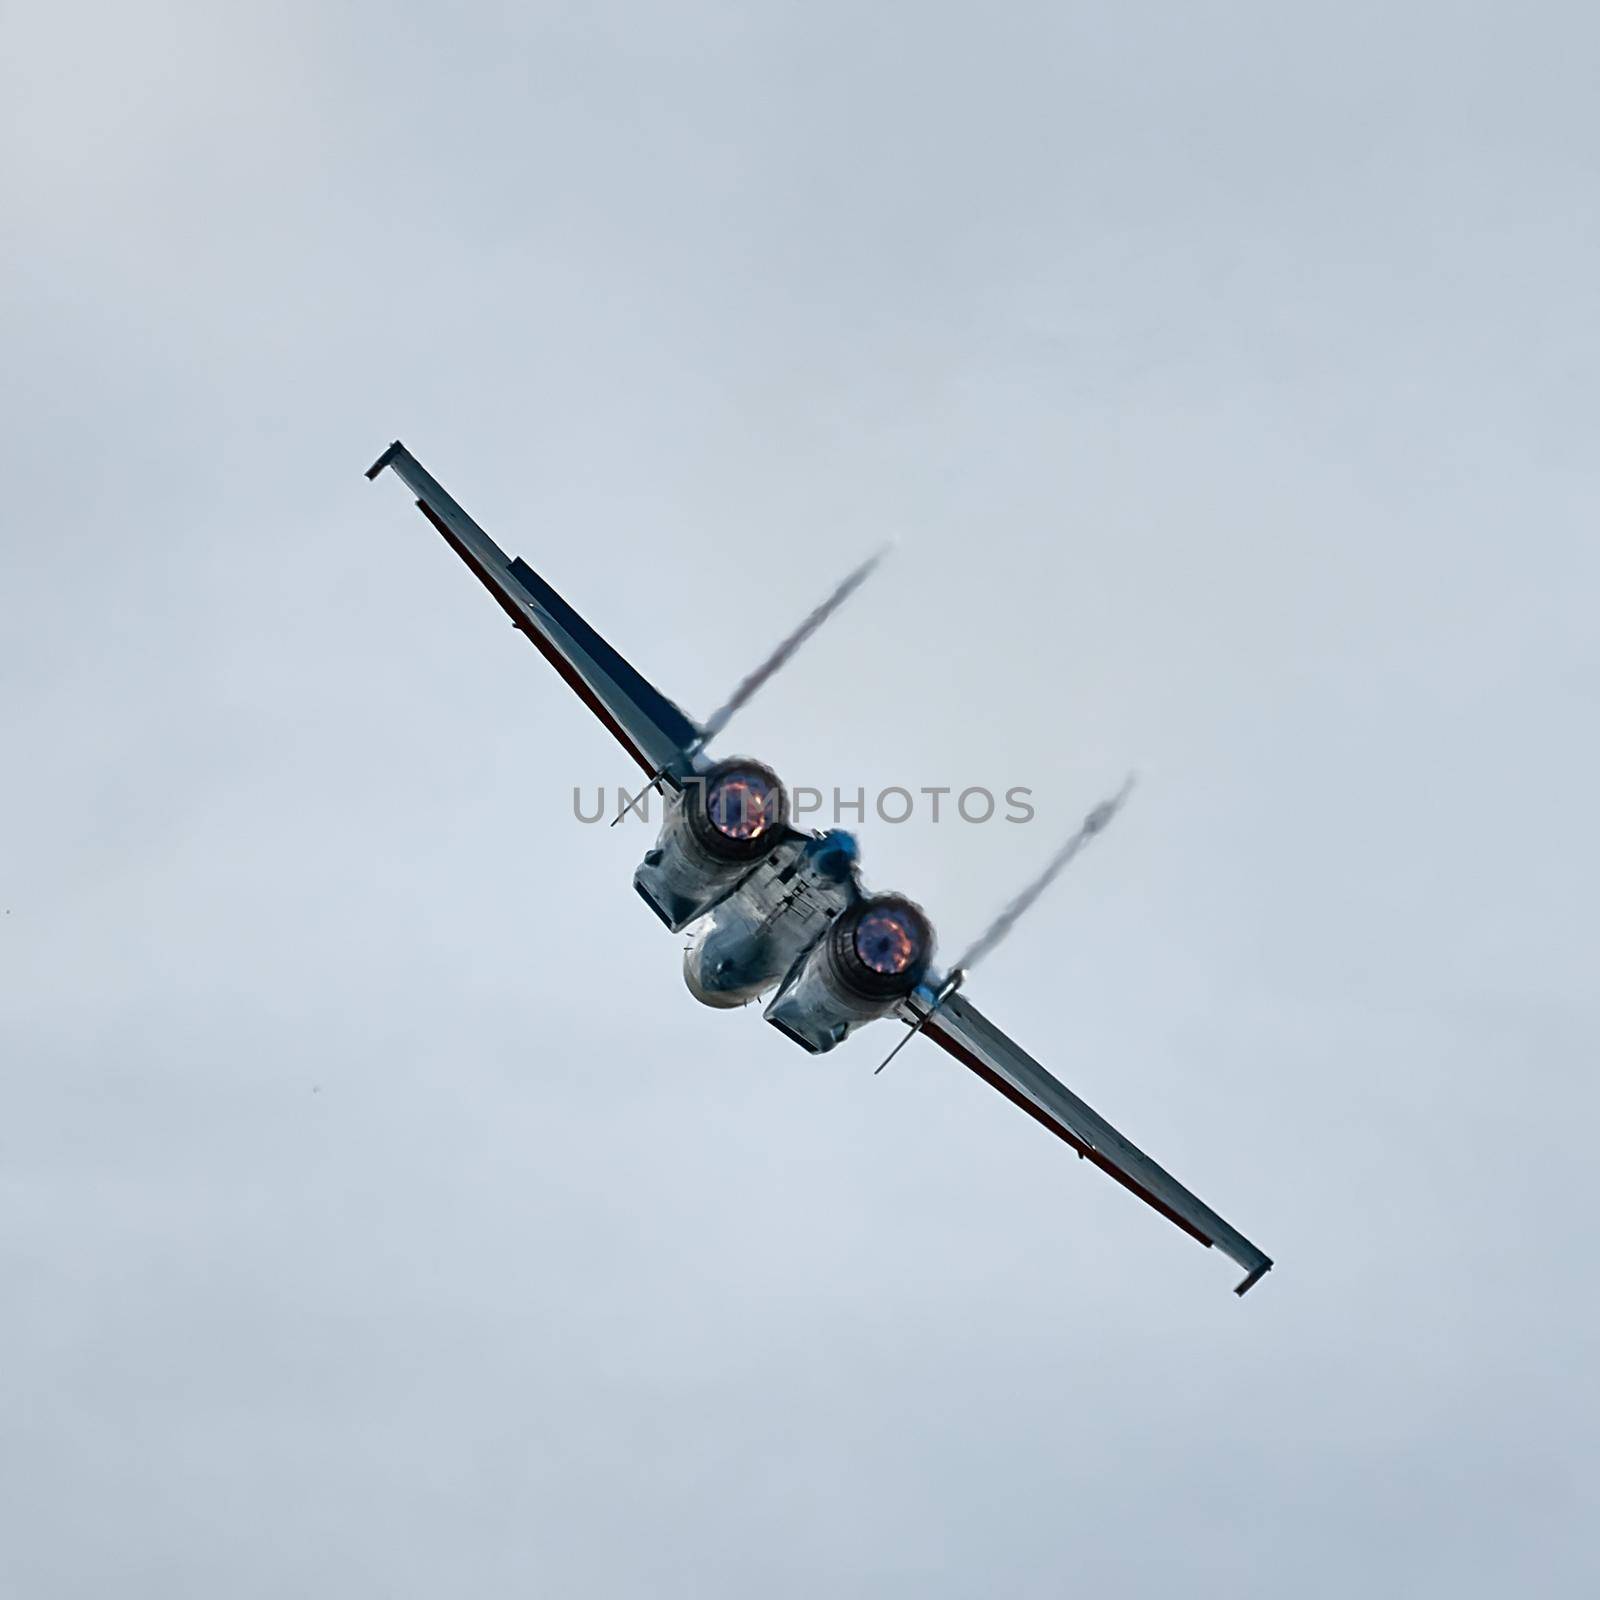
(750, 940)
(770, 909)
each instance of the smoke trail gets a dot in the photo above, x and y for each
(1097, 820)
(748, 687)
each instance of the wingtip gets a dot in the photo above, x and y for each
(384, 460)
(1254, 1278)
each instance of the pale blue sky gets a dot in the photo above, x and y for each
(378, 1213)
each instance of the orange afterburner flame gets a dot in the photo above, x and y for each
(885, 942)
(740, 807)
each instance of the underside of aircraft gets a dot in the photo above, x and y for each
(775, 911)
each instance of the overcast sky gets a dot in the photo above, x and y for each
(379, 1215)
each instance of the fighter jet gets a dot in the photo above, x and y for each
(772, 910)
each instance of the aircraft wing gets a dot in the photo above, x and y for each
(654, 731)
(978, 1044)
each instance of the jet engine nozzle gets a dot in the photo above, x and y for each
(737, 810)
(880, 948)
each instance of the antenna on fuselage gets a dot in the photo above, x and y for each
(1096, 822)
(752, 682)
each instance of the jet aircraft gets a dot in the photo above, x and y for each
(771, 909)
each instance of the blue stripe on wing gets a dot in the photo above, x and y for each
(669, 717)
